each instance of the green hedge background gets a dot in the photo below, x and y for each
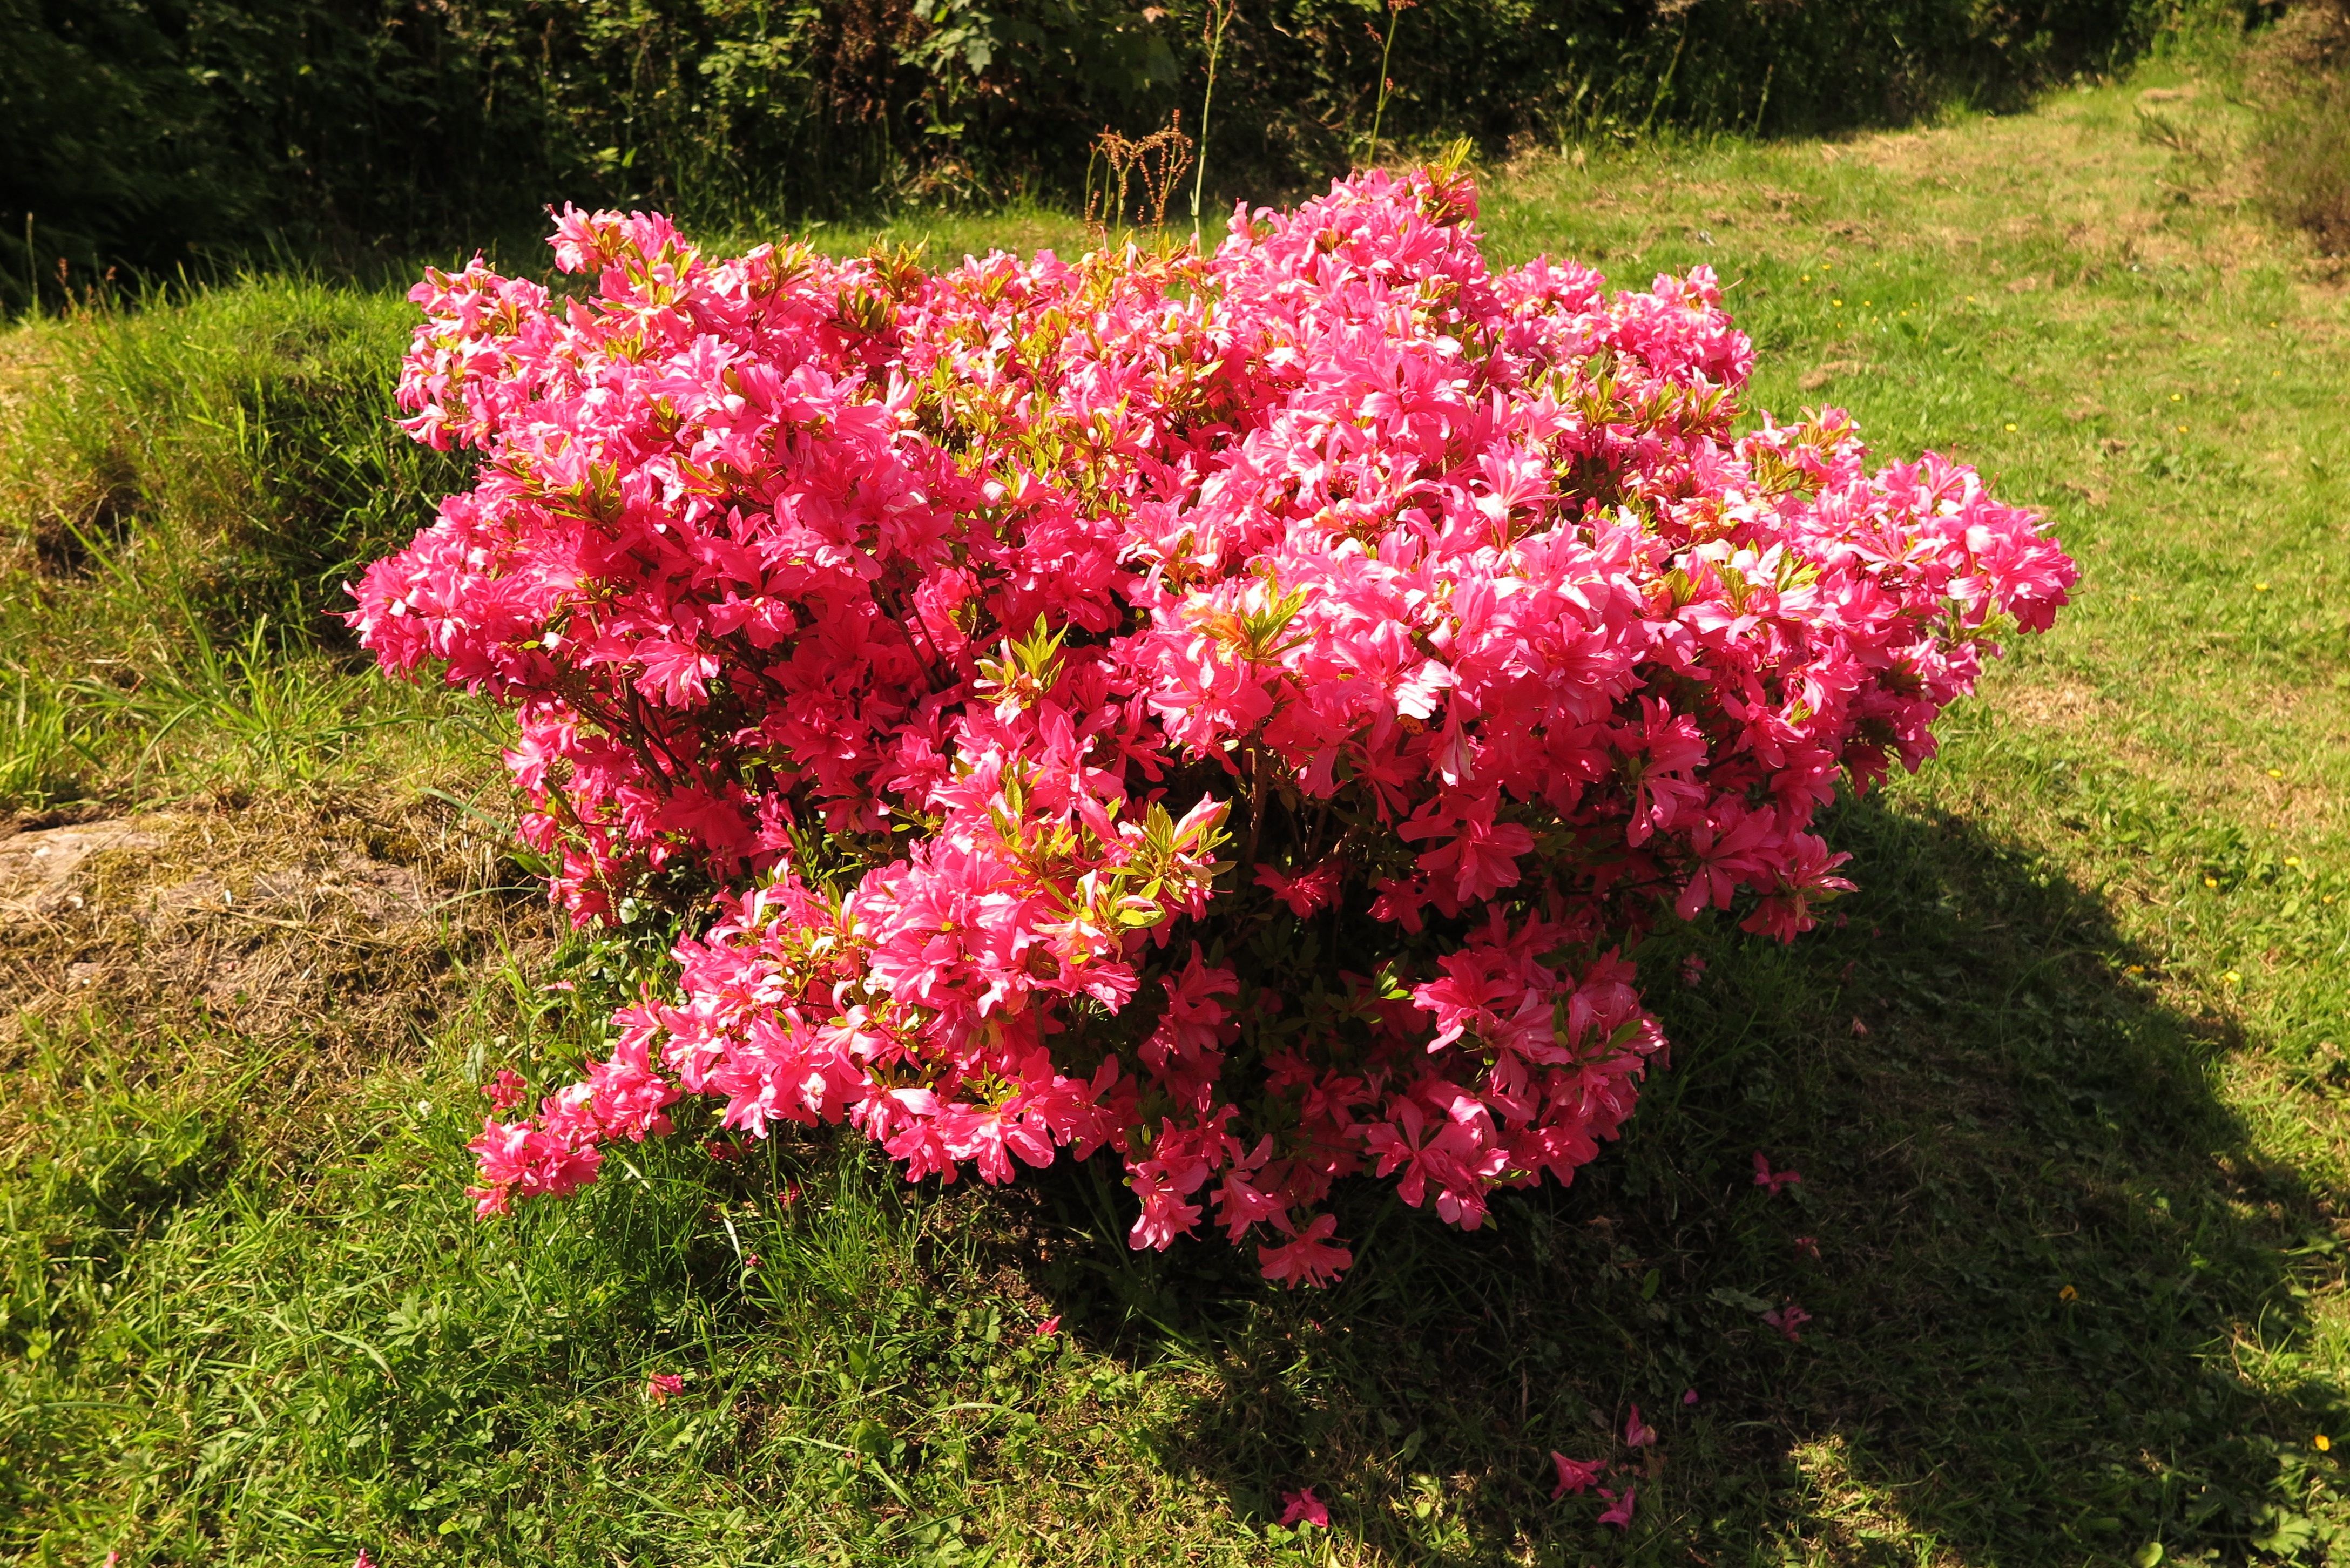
(149, 135)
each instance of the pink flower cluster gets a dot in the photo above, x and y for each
(1230, 709)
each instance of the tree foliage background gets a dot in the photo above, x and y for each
(156, 134)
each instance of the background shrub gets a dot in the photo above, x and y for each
(2301, 75)
(157, 133)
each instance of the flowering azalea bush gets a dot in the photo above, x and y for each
(1234, 710)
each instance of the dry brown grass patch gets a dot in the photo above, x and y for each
(297, 942)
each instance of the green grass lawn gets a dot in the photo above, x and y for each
(2066, 1081)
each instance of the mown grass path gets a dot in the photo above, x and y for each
(2065, 1084)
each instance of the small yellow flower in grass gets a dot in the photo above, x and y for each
(2260, 588)
(2011, 427)
(2182, 430)
(2068, 1295)
(1837, 303)
(2232, 978)
(2210, 881)
(2322, 1443)
(2293, 859)
(2276, 772)
(2134, 969)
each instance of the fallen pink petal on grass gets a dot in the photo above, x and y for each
(1637, 1434)
(661, 1385)
(1049, 1328)
(1575, 1475)
(1302, 1507)
(1775, 1181)
(1619, 1512)
(1789, 1320)
(1807, 1248)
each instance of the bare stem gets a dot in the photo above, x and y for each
(1379, 111)
(1223, 13)
(1256, 807)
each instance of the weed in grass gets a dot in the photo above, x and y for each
(40, 743)
(286, 712)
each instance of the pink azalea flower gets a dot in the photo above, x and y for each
(1807, 1246)
(1788, 1320)
(661, 1385)
(1049, 1328)
(1637, 1434)
(1307, 891)
(361, 1560)
(1303, 1506)
(505, 1090)
(1575, 1475)
(1313, 1257)
(1620, 1509)
(1689, 1397)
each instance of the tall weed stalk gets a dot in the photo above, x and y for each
(1396, 9)
(1221, 15)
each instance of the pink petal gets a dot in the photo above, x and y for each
(1575, 1475)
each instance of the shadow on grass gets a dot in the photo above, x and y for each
(2040, 1236)
(2045, 1251)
